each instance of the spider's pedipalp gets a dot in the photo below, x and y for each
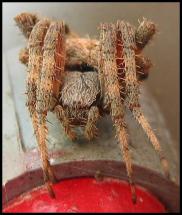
(144, 33)
(26, 22)
(112, 88)
(90, 127)
(61, 115)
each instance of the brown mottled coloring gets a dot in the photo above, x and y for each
(83, 79)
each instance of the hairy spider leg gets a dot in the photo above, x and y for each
(143, 65)
(61, 115)
(35, 46)
(34, 66)
(26, 22)
(91, 130)
(144, 33)
(132, 91)
(141, 119)
(24, 56)
(107, 64)
(48, 89)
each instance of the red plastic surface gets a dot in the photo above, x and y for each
(86, 195)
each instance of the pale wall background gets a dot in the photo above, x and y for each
(85, 17)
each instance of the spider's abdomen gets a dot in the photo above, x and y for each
(80, 89)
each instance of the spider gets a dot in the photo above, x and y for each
(83, 79)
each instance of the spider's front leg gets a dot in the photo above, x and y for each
(112, 88)
(35, 48)
(132, 86)
(45, 66)
(50, 81)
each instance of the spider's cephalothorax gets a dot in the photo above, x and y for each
(83, 79)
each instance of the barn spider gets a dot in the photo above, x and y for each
(82, 79)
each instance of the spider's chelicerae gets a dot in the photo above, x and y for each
(81, 80)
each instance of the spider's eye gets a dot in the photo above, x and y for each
(80, 67)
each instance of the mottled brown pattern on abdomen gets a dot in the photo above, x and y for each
(80, 89)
